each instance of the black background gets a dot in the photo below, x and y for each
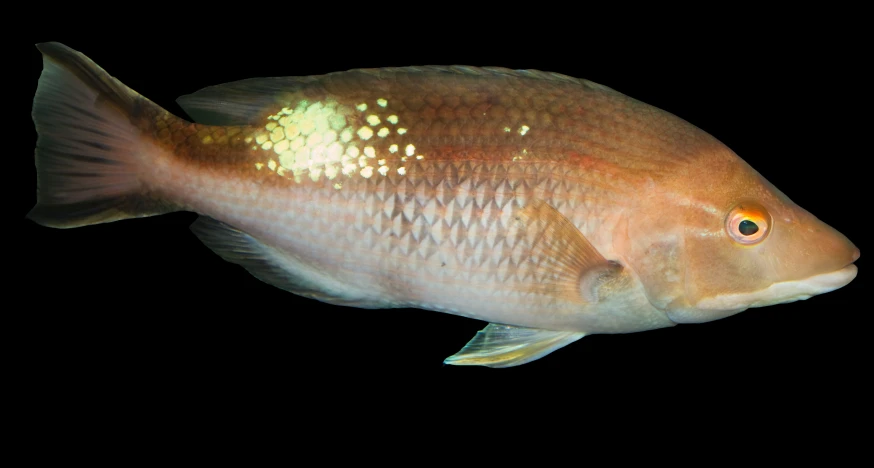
(142, 303)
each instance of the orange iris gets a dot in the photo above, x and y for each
(748, 212)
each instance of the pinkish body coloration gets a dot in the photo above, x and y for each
(530, 200)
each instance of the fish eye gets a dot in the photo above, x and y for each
(748, 223)
(747, 227)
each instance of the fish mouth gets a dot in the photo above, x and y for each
(783, 292)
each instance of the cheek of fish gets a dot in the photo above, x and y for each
(548, 206)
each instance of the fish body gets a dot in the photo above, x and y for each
(549, 206)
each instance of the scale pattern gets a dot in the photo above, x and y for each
(407, 185)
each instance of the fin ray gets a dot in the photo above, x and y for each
(88, 152)
(236, 246)
(241, 102)
(508, 346)
(569, 266)
(275, 267)
(247, 102)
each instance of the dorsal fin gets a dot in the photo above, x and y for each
(480, 71)
(240, 102)
(247, 101)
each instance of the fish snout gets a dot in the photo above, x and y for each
(844, 251)
(831, 249)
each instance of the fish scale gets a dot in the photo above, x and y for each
(442, 148)
(550, 206)
(460, 153)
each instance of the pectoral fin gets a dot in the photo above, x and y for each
(508, 346)
(562, 262)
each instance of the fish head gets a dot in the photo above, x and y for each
(746, 244)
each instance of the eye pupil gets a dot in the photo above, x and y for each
(747, 227)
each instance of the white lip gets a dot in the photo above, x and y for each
(779, 293)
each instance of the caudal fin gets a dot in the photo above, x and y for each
(89, 154)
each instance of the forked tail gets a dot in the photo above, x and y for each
(90, 154)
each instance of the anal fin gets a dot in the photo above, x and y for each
(508, 346)
(275, 267)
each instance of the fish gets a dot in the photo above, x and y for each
(549, 206)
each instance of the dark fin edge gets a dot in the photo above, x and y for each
(88, 151)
